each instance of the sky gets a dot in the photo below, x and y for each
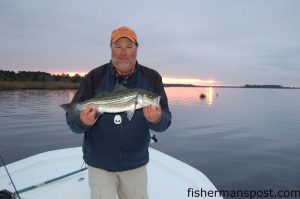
(220, 42)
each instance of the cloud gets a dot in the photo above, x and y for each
(231, 41)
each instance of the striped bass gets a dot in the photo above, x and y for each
(120, 100)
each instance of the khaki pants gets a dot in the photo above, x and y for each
(130, 184)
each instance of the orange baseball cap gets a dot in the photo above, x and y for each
(123, 31)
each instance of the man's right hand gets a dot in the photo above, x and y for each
(87, 116)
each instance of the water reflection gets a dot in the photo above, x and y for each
(253, 139)
(191, 95)
(210, 95)
(17, 104)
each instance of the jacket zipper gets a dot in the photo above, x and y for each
(121, 139)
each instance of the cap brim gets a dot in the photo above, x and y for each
(123, 36)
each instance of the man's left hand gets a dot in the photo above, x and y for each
(152, 113)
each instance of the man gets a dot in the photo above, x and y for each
(116, 150)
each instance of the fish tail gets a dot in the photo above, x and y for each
(68, 107)
(71, 110)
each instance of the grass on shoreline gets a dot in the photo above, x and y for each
(14, 85)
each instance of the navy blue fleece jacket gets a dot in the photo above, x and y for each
(119, 147)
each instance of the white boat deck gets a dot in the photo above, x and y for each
(168, 177)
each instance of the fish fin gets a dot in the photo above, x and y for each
(72, 111)
(97, 115)
(119, 87)
(130, 112)
(102, 93)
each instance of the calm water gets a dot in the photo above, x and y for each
(240, 138)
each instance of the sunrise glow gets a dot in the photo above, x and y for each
(70, 73)
(168, 80)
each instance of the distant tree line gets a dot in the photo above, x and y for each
(262, 86)
(29, 76)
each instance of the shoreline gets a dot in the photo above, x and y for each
(246, 87)
(16, 85)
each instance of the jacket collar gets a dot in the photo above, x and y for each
(125, 80)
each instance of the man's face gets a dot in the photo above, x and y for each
(123, 55)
